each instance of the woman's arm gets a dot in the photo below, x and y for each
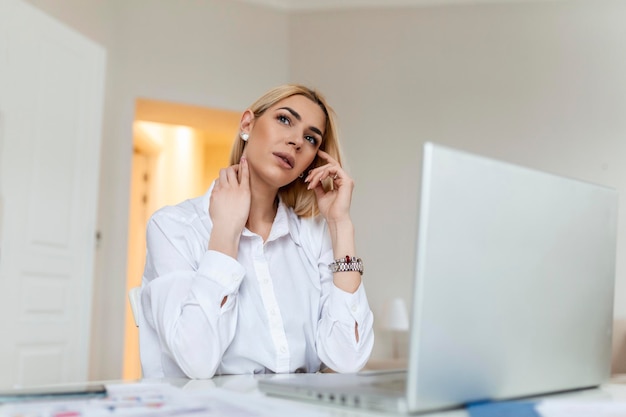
(341, 314)
(184, 284)
(334, 205)
(193, 282)
(337, 347)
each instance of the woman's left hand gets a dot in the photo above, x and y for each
(334, 204)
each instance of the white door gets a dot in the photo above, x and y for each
(51, 96)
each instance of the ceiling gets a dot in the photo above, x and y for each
(300, 5)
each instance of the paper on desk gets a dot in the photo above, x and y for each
(159, 400)
(121, 399)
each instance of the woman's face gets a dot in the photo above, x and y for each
(284, 140)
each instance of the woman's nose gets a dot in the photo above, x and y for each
(295, 140)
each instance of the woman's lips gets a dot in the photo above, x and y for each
(284, 159)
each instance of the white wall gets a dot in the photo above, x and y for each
(541, 84)
(213, 53)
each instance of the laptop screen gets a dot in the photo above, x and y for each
(514, 284)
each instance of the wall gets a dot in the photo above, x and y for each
(541, 84)
(215, 155)
(213, 53)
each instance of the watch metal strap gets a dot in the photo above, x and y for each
(349, 263)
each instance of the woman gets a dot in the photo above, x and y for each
(260, 275)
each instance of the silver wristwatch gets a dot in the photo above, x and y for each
(349, 263)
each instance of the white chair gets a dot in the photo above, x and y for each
(134, 297)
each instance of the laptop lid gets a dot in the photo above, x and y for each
(514, 282)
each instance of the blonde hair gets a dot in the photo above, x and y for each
(295, 194)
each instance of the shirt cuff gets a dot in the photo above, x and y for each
(221, 269)
(348, 307)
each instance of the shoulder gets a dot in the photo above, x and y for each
(187, 213)
(314, 225)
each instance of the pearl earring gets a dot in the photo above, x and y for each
(244, 136)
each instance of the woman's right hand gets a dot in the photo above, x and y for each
(229, 208)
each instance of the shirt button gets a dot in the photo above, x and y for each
(283, 349)
(354, 308)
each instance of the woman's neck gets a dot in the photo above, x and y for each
(263, 207)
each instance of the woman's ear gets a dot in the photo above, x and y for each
(247, 121)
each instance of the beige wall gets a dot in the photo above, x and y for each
(538, 83)
(215, 156)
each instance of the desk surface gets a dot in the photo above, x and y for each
(614, 390)
(238, 389)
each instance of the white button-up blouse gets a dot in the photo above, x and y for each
(283, 313)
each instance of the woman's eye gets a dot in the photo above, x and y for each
(284, 119)
(311, 139)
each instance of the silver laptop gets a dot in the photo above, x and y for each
(513, 291)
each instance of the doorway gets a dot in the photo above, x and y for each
(177, 152)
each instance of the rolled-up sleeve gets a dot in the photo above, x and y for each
(337, 342)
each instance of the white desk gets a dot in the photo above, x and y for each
(615, 390)
(243, 389)
(248, 384)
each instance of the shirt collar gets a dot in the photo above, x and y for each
(285, 222)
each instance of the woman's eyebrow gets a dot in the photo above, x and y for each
(297, 116)
(292, 111)
(316, 130)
